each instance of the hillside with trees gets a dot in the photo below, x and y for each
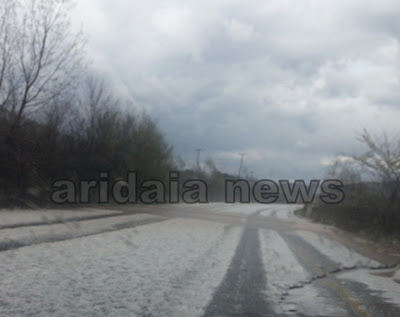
(372, 188)
(57, 119)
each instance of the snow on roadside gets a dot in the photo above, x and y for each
(66, 230)
(284, 271)
(386, 288)
(336, 251)
(169, 268)
(15, 217)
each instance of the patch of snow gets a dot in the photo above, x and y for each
(387, 288)
(15, 217)
(243, 209)
(280, 211)
(336, 251)
(169, 268)
(67, 230)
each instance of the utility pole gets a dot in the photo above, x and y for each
(198, 158)
(241, 163)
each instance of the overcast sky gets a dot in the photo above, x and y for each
(288, 83)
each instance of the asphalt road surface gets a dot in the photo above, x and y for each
(182, 260)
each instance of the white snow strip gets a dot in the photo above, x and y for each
(15, 217)
(169, 268)
(336, 251)
(243, 209)
(280, 211)
(284, 270)
(35, 234)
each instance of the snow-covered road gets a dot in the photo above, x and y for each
(181, 260)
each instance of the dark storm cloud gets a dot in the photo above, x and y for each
(289, 83)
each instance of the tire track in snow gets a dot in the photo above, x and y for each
(186, 284)
(241, 293)
(322, 267)
(104, 275)
(285, 272)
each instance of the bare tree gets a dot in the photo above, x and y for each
(43, 55)
(7, 45)
(40, 58)
(346, 169)
(382, 160)
(96, 100)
